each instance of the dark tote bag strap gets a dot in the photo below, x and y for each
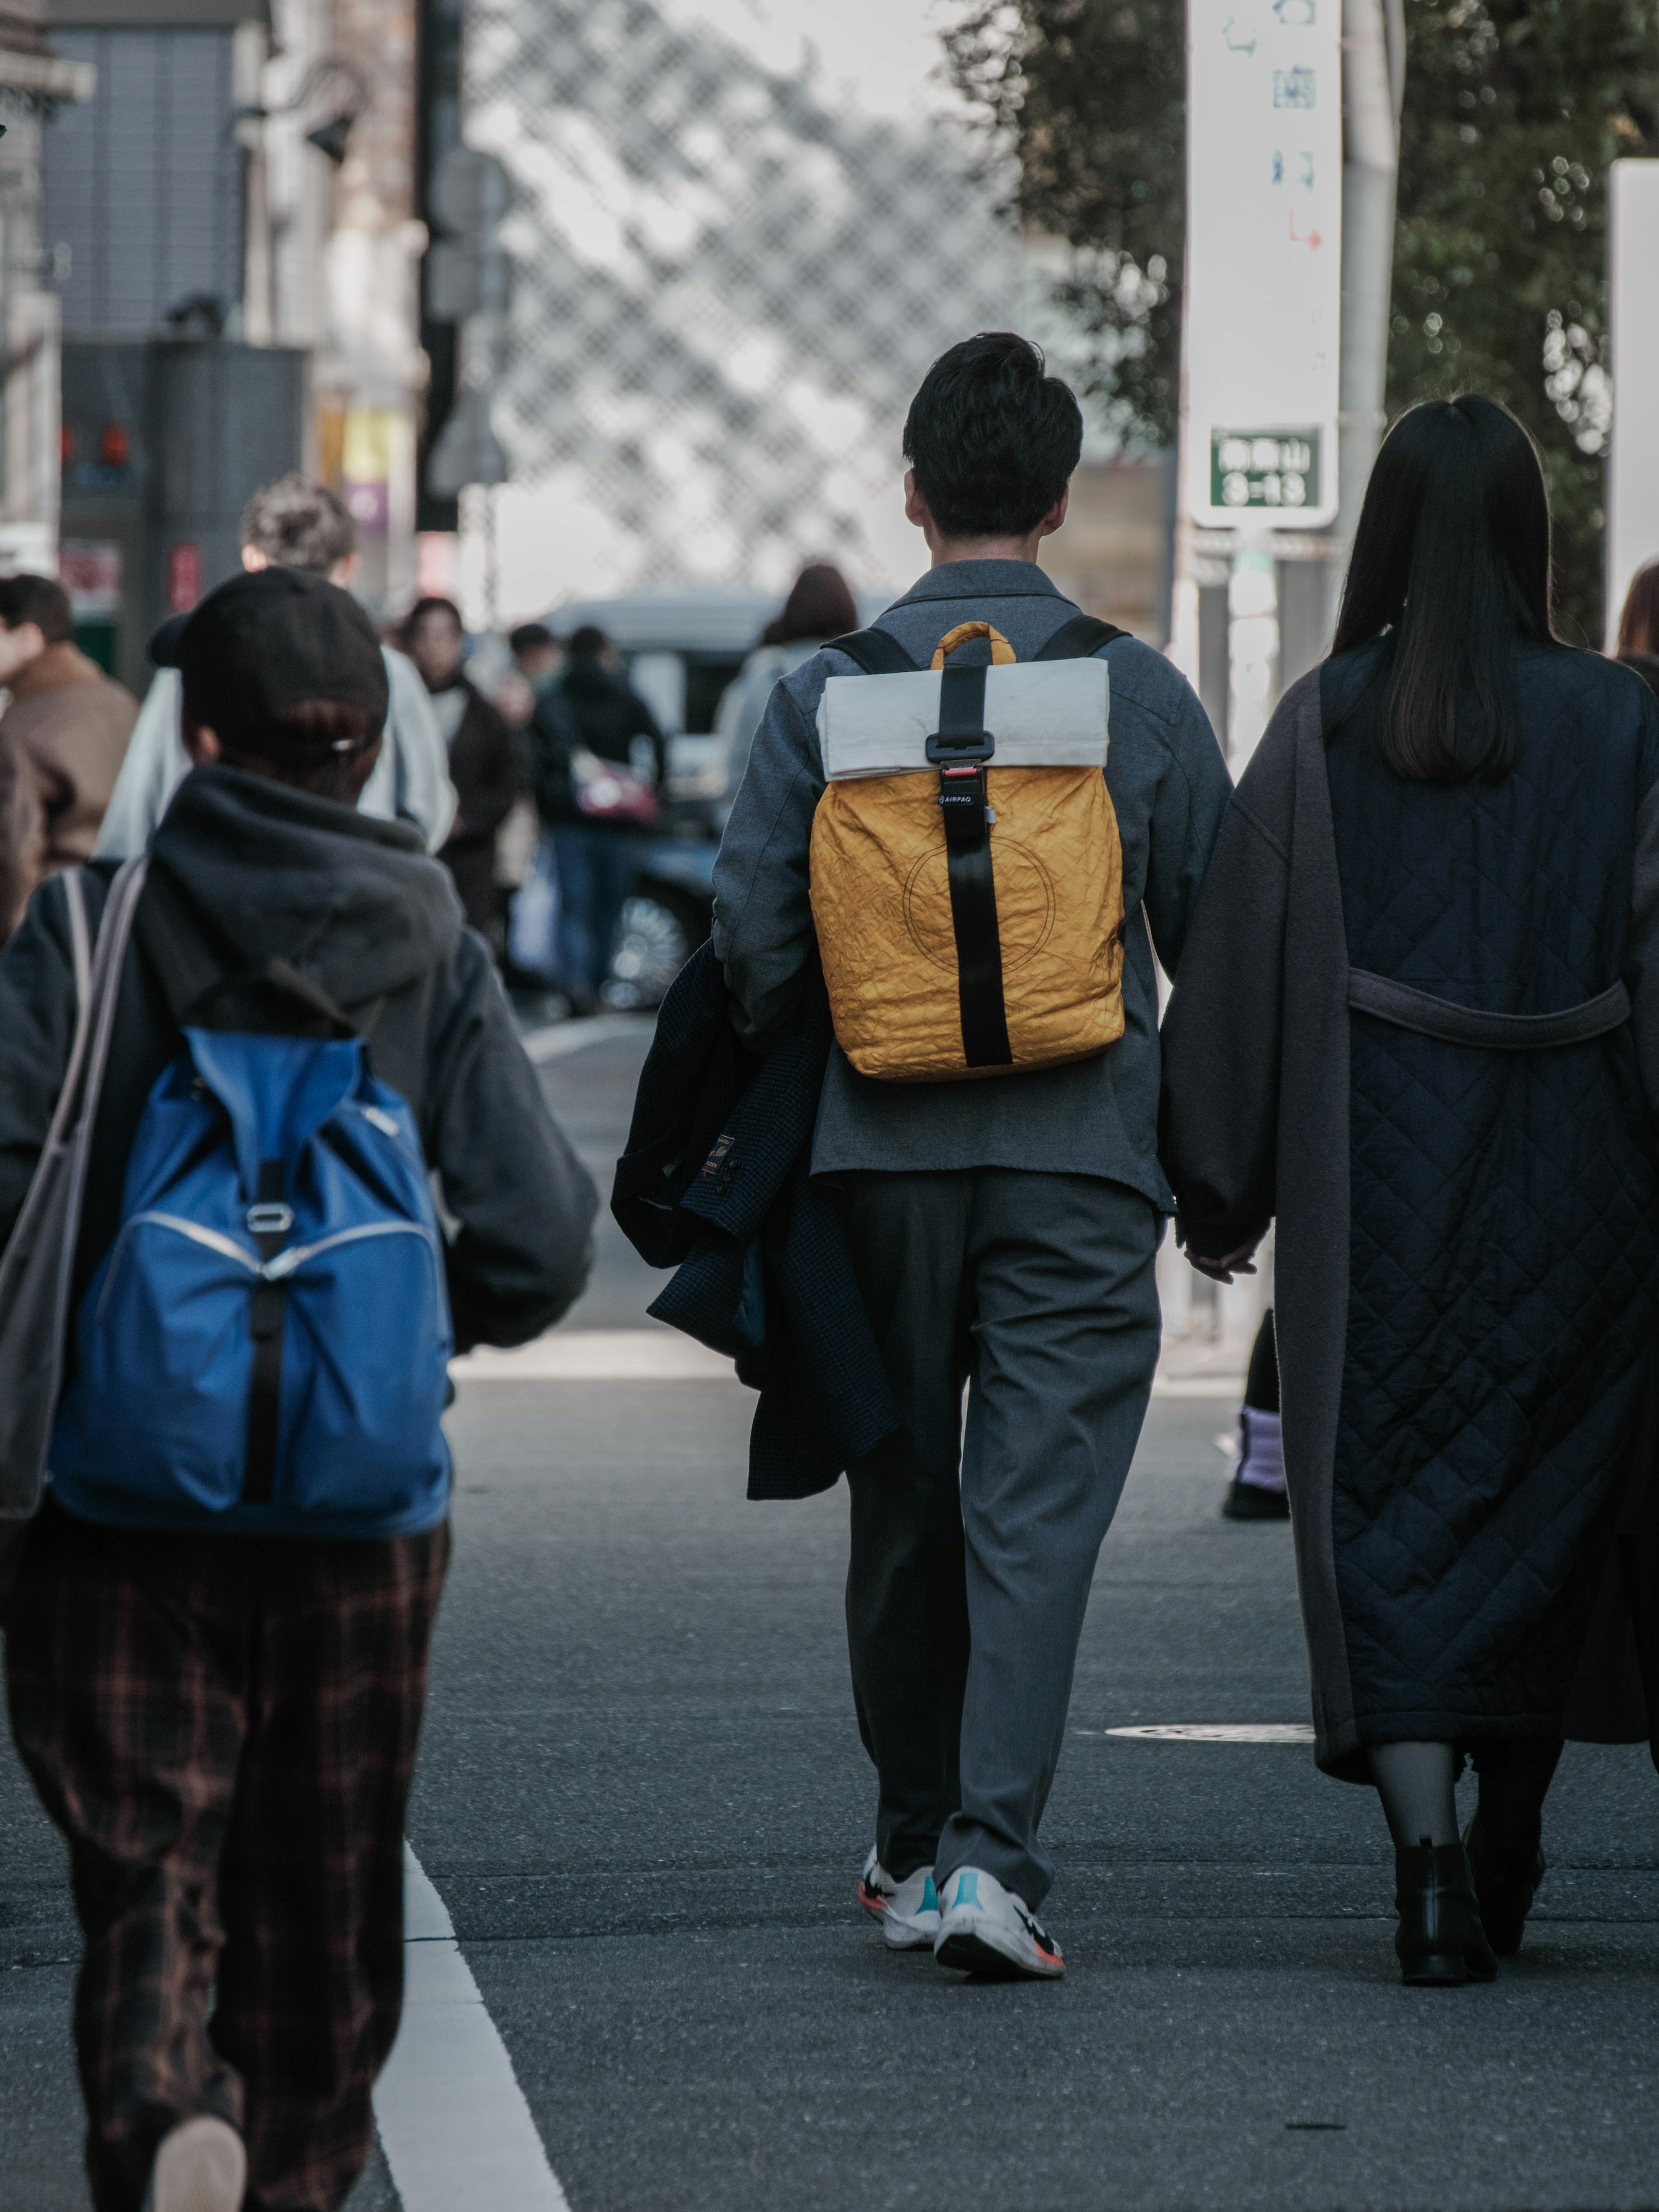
(38, 1267)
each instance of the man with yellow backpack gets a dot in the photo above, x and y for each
(925, 815)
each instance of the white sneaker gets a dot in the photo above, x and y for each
(201, 2167)
(907, 1910)
(985, 1929)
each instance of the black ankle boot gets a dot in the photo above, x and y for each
(1505, 1883)
(1440, 1939)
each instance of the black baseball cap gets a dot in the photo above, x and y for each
(269, 641)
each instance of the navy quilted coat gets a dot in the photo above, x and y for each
(1468, 1259)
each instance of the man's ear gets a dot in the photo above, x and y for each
(1055, 517)
(201, 743)
(916, 509)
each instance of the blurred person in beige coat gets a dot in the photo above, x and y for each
(63, 736)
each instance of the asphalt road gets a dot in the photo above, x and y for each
(643, 1799)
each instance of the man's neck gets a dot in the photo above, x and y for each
(946, 549)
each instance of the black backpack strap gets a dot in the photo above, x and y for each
(1080, 639)
(875, 652)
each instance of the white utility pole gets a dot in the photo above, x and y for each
(1633, 314)
(1373, 84)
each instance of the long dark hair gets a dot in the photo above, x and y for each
(819, 606)
(1452, 557)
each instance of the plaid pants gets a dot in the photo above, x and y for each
(224, 1727)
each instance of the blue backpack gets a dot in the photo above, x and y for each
(265, 1347)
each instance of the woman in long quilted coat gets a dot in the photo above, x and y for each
(1417, 1021)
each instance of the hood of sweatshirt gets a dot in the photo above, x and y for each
(260, 871)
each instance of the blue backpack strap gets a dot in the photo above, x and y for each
(876, 652)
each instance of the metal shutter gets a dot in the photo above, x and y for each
(143, 183)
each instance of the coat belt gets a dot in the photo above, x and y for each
(1407, 1009)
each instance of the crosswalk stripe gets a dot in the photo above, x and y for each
(454, 2125)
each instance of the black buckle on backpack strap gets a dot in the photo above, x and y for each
(962, 734)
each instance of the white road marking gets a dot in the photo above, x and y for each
(1216, 1732)
(562, 1037)
(454, 2125)
(597, 1355)
(662, 1355)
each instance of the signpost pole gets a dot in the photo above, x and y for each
(1633, 315)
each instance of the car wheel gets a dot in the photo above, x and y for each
(660, 932)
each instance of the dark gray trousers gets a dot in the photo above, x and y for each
(974, 1546)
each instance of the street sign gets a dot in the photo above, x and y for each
(1262, 313)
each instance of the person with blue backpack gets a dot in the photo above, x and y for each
(230, 1071)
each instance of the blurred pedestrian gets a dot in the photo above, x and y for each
(1004, 1227)
(216, 1642)
(291, 524)
(1638, 619)
(537, 655)
(67, 725)
(1639, 625)
(483, 761)
(1416, 1019)
(599, 767)
(819, 607)
(1256, 1490)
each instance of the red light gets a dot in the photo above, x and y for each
(114, 444)
(66, 444)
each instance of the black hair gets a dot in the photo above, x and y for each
(588, 642)
(314, 745)
(1452, 560)
(993, 438)
(40, 600)
(432, 605)
(530, 637)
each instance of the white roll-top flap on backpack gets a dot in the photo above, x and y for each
(1042, 713)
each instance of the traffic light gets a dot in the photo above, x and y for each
(466, 281)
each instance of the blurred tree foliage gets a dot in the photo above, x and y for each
(1514, 109)
(1083, 104)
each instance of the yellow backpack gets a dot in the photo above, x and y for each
(969, 916)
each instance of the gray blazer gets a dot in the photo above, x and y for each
(1170, 789)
